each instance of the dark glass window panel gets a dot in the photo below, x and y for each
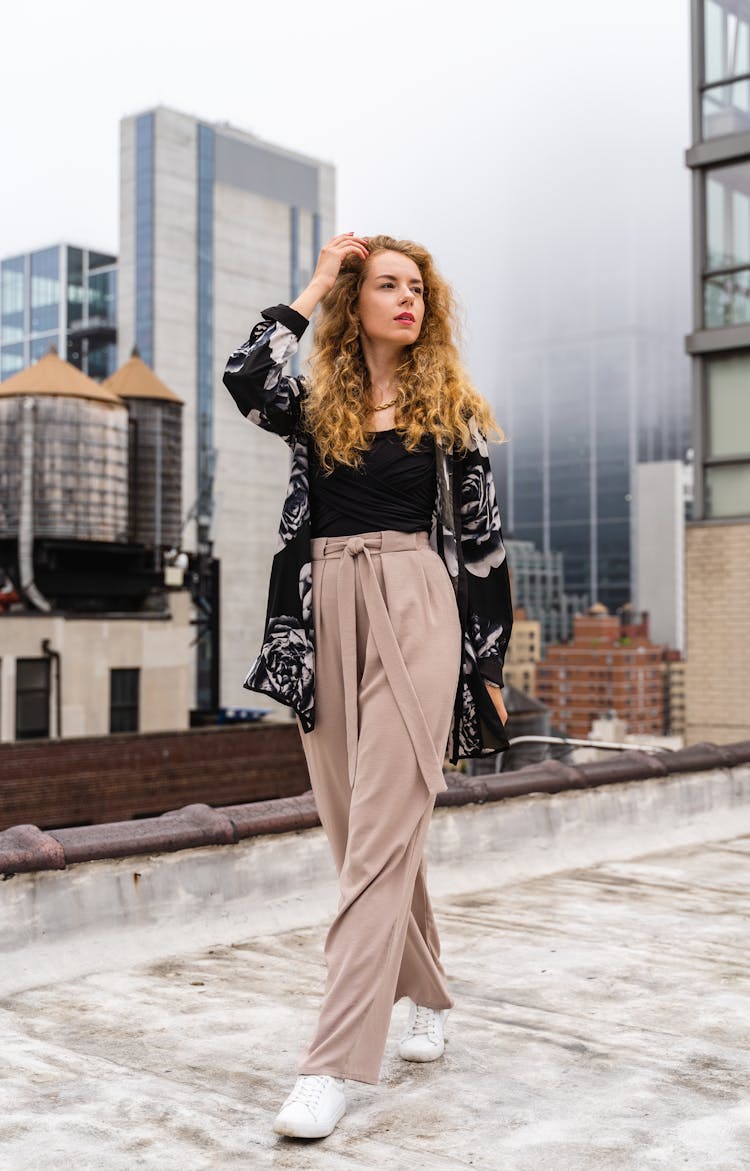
(32, 699)
(727, 299)
(12, 299)
(123, 699)
(726, 34)
(45, 290)
(11, 360)
(728, 216)
(100, 260)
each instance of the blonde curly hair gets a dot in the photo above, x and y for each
(436, 395)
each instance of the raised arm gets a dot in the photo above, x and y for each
(254, 374)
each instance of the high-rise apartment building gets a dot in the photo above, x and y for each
(718, 536)
(62, 296)
(216, 225)
(609, 666)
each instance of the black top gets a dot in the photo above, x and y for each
(394, 490)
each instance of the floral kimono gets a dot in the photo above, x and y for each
(465, 532)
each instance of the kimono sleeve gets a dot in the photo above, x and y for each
(489, 604)
(254, 373)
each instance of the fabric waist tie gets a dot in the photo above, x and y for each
(358, 549)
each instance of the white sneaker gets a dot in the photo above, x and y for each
(423, 1039)
(313, 1108)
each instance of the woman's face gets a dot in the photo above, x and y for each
(391, 299)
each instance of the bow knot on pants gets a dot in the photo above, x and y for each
(387, 662)
(355, 545)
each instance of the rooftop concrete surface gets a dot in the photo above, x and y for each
(596, 944)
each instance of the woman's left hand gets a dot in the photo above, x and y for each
(496, 696)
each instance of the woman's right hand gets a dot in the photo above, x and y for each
(327, 269)
(332, 255)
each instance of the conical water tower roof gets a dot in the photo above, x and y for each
(52, 376)
(137, 380)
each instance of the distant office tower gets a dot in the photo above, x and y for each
(718, 536)
(581, 411)
(609, 666)
(62, 296)
(660, 561)
(538, 586)
(215, 226)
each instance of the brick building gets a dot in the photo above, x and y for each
(609, 665)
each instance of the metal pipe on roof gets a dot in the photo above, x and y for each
(56, 657)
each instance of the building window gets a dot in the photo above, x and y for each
(123, 699)
(727, 260)
(725, 101)
(727, 472)
(32, 699)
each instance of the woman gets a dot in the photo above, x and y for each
(389, 614)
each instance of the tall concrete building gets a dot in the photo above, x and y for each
(718, 536)
(62, 296)
(216, 225)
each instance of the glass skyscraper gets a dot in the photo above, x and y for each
(581, 412)
(63, 296)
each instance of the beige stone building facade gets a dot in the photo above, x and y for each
(524, 652)
(718, 632)
(87, 675)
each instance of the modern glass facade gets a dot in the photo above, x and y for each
(64, 297)
(580, 415)
(720, 341)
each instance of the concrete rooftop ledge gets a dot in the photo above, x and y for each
(26, 848)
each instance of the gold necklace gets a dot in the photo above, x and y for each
(384, 406)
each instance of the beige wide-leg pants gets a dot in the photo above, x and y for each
(387, 661)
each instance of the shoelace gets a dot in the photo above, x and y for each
(309, 1091)
(425, 1021)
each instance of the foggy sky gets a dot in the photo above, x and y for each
(534, 148)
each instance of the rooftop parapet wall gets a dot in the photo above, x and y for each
(26, 848)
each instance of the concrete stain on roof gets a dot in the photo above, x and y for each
(53, 376)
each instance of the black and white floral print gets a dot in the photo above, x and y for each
(296, 508)
(487, 638)
(466, 532)
(305, 591)
(481, 536)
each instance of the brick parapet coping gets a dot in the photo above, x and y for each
(26, 848)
